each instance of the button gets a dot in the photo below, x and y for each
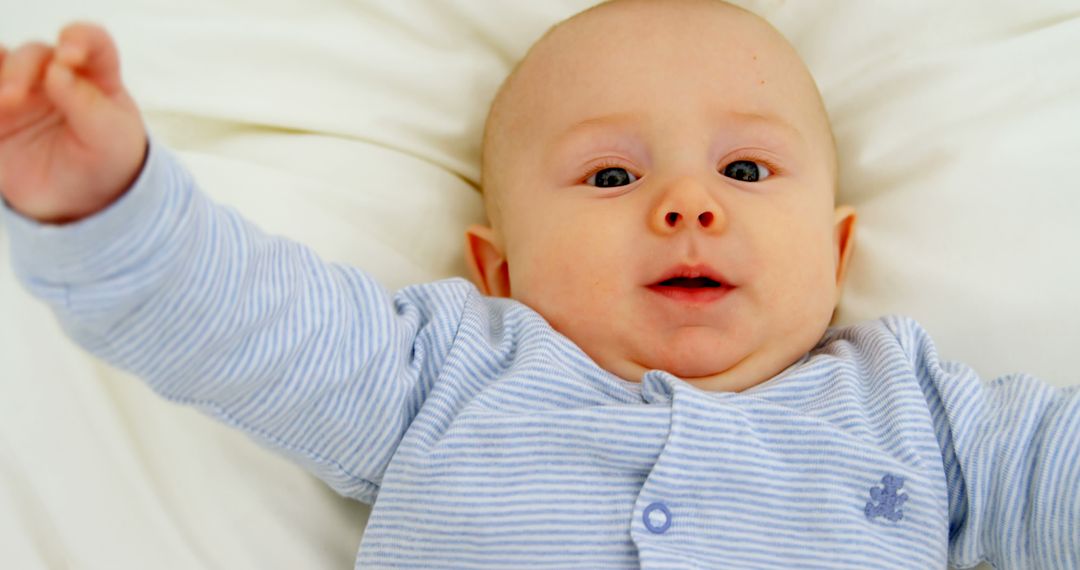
(657, 518)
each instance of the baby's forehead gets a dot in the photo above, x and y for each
(650, 58)
(636, 48)
(630, 26)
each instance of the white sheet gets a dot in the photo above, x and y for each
(355, 127)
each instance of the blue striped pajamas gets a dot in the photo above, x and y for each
(485, 439)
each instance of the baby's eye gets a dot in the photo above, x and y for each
(747, 171)
(610, 178)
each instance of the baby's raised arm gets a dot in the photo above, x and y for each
(1010, 451)
(71, 137)
(310, 358)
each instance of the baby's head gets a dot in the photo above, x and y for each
(660, 179)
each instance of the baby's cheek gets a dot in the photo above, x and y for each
(551, 266)
(793, 262)
(571, 272)
(813, 277)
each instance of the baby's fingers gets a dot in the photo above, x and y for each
(21, 70)
(84, 106)
(88, 49)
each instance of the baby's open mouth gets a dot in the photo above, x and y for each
(693, 284)
(690, 283)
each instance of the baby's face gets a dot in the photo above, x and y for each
(663, 194)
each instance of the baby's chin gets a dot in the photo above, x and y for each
(714, 375)
(717, 361)
(701, 372)
(693, 353)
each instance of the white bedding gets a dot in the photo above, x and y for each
(355, 128)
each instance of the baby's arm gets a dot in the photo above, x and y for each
(310, 358)
(1011, 451)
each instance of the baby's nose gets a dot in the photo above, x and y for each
(687, 203)
(704, 218)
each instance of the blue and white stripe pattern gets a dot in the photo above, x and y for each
(491, 441)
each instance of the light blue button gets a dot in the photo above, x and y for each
(657, 518)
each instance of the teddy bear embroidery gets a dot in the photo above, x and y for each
(886, 500)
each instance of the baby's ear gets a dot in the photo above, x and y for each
(844, 242)
(486, 261)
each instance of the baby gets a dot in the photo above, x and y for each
(642, 372)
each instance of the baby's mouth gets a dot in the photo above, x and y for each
(693, 284)
(689, 283)
(695, 291)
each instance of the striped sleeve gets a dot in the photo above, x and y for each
(1011, 453)
(312, 359)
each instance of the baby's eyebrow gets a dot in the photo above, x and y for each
(609, 120)
(758, 120)
(743, 119)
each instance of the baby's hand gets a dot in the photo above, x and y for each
(71, 138)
